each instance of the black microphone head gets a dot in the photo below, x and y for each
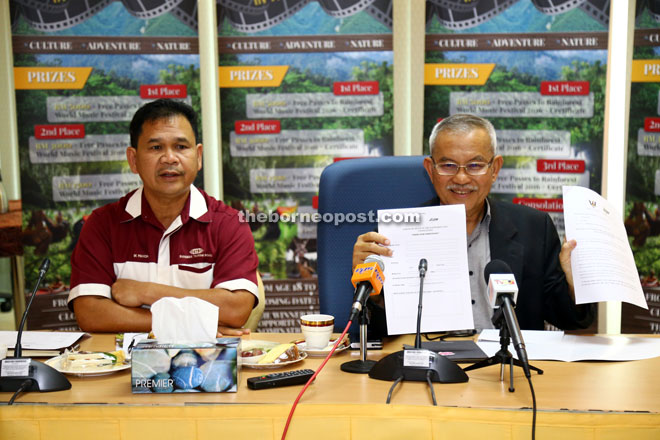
(45, 265)
(495, 266)
(376, 259)
(423, 265)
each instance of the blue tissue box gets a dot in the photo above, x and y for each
(207, 367)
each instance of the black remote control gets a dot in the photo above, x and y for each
(273, 380)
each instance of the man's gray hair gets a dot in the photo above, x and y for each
(463, 123)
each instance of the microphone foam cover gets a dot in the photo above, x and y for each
(495, 266)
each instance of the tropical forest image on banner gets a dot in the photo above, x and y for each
(642, 208)
(302, 84)
(81, 69)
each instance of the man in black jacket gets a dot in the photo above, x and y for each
(463, 164)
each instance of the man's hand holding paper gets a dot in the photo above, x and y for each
(603, 266)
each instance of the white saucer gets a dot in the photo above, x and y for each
(323, 352)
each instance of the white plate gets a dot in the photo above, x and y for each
(56, 363)
(324, 351)
(272, 366)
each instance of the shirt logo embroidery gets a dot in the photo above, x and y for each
(196, 251)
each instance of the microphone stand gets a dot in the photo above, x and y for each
(362, 365)
(503, 355)
(417, 364)
(422, 274)
(20, 373)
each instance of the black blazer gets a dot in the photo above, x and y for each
(527, 240)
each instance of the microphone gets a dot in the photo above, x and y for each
(368, 280)
(45, 265)
(25, 374)
(418, 364)
(423, 266)
(502, 293)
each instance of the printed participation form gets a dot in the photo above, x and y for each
(440, 237)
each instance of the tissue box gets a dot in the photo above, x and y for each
(210, 367)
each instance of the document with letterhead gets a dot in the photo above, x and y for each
(602, 263)
(440, 237)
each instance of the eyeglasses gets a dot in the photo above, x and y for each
(448, 168)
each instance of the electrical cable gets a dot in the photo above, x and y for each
(428, 380)
(529, 379)
(24, 385)
(389, 394)
(311, 379)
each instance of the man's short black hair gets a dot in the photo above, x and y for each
(160, 109)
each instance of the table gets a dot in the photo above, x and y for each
(594, 400)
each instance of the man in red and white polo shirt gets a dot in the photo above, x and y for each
(167, 238)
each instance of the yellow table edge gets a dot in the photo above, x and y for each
(314, 421)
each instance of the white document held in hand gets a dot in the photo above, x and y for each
(440, 237)
(603, 264)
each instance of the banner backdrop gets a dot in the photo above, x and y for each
(81, 71)
(642, 217)
(537, 70)
(302, 83)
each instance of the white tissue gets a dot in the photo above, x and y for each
(186, 319)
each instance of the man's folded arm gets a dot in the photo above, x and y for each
(234, 306)
(100, 314)
(124, 312)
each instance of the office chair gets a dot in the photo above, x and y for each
(358, 186)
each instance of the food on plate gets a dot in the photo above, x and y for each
(281, 353)
(82, 361)
(253, 352)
